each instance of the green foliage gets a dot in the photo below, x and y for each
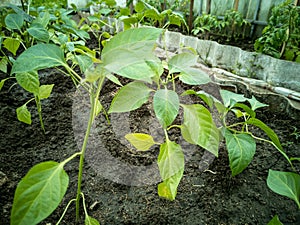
(286, 184)
(275, 221)
(39, 193)
(280, 38)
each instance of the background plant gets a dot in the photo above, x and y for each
(280, 38)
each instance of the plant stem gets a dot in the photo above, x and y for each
(39, 108)
(93, 98)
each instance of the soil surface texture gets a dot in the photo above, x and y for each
(121, 193)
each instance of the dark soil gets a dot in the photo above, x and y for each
(208, 196)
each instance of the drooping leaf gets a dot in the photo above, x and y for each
(39, 193)
(230, 98)
(14, 21)
(90, 221)
(2, 83)
(199, 128)
(40, 56)
(130, 97)
(168, 188)
(166, 106)
(29, 81)
(12, 45)
(207, 98)
(246, 108)
(38, 31)
(23, 114)
(275, 221)
(45, 91)
(140, 141)
(182, 63)
(241, 149)
(128, 52)
(170, 159)
(285, 183)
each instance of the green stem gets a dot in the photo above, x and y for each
(93, 98)
(39, 109)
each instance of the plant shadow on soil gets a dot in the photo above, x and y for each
(209, 197)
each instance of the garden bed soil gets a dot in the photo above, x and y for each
(205, 196)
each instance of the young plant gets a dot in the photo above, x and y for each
(40, 192)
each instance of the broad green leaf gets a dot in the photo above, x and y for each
(182, 63)
(12, 45)
(84, 62)
(230, 98)
(23, 114)
(168, 188)
(90, 221)
(38, 57)
(14, 21)
(255, 104)
(140, 141)
(199, 128)
(275, 221)
(170, 159)
(128, 52)
(3, 64)
(166, 106)
(45, 91)
(130, 97)
(194, 76)
(38, 31)
(29, 81)
(43, 19)
(285, 183)
(39, 193)
(139, 6)
(241, 149)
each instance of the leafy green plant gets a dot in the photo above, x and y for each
(206, 23)
(280, 38)
(149, 15)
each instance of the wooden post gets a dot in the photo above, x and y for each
(208, 6)
(236, 5)
(191, 16)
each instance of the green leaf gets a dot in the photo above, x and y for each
(45, 91)
(166, 106)
(39, 193)
(241, 149)
(230, 98)
(98, 108)
(23, 114)
(12, 45)
(2, 83)
(182, 63)
(3, 65)
(207, 98)
(248, 110)
(271, 134)
(170, 159)
(84, 62)
(38, 31)
(90, 221)
(168, 188)
(128, 52)
(199, 128)
(255, 104)
(130, 97)
(14, 21)
(285, 183)
(140, 141)
(38, 57)
(275, 221)
(29, 81)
